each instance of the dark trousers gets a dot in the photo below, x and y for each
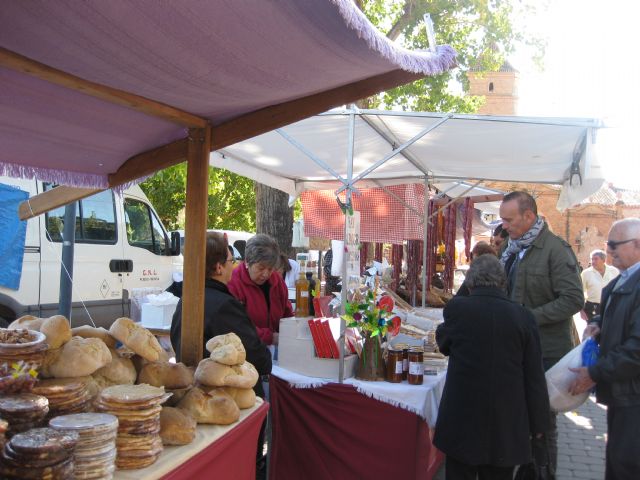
(591, 309)
(623, 443)
(552, 434)
(455, 470)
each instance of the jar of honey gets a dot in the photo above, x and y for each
(394, 365)
(416, 366)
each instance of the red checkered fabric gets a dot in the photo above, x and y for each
(382, 217)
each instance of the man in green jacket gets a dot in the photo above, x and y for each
(542, 275)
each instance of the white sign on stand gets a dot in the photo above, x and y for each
(352, 244)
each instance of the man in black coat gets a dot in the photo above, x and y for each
(495, 396)
(616, 374)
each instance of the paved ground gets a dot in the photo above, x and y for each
(581, 443)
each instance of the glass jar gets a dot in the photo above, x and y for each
(394, 365)
(416, 366)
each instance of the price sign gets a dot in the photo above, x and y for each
(352, 244)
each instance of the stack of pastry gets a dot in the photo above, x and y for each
(66, 395)
(41, 453)
(138, 410)
(23, 411)
(95, 452)
(224, 383)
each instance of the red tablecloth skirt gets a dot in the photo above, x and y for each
(336, 432)
(232, 456)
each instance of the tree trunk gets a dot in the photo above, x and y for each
(274, 216)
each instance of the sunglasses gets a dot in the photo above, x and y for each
(613, 245)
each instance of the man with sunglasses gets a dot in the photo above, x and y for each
(616, 374)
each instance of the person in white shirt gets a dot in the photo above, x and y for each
(290, 270)
(593, 279)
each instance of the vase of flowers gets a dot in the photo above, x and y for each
(373, 318)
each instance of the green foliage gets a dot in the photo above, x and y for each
(231, 198)
(481, 31)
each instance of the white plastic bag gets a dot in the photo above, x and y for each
(559, 379)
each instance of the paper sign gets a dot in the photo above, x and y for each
(352, 244)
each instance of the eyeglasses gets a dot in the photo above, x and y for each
(613, 245)
(232, 260)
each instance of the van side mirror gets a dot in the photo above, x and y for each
(175, 244)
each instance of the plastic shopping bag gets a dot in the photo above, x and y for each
(559, 379)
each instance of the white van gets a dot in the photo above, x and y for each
(120, 245)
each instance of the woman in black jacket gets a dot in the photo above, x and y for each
(222, 312)
(495, 395)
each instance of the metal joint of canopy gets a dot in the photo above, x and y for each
(578, 152)
(393, 153)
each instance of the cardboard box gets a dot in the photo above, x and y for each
(296, 353)
(157, 316)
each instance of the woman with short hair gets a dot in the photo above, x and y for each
(222, 312)
(257, 284)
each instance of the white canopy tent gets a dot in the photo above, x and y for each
(440, 148)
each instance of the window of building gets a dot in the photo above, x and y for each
(95, 219)
(490, 86)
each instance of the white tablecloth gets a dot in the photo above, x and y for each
(423, 400)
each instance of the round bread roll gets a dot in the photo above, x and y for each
(217, 407)
(137, 338)
(57, 330)
(86, 331)
(227, 349)
(244, 397)
(50, 357)
(27, 321)
(120, 371)
(169, 375)
(80, 357)
(177, 427)
(214, 374)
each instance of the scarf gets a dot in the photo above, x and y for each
(519, 244)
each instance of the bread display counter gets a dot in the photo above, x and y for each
(220, 451)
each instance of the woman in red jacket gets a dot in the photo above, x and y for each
(257, 284)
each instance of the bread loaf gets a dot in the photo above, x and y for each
(177, 427)
(27, 321)
(120, 371)
(244, 397)
(79, 357)
(214, 374)
(227, 349)
(57, 330)
(169, 375)
(216, 407)
(85, 331)
(137, 338)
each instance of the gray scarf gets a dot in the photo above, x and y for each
(519, 244)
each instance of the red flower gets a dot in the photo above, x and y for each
(395, 326)
(386, 303)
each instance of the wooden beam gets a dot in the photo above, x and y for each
(151, 161)
(260, 121)
(54, 198)
(246, 126)
(31, 67)
(192, 337)
(276, 116)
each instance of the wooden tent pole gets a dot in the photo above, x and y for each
(192, 337)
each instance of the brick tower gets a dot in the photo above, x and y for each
(500, 89)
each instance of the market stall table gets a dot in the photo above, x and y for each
(353, 430)
(218, 451)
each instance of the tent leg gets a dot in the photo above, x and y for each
(425, 224)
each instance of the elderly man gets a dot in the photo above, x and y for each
(616, 374)
(542, 275)
(594, 279)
